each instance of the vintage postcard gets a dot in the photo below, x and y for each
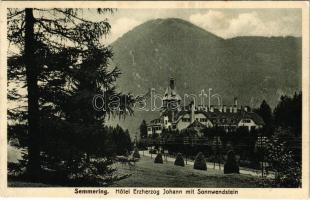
(155, 99)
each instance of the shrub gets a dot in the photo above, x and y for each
(179, 161)
(282, 162)
(136, 153)
(200, 162)
(159, 159)
(92, 173)
(153, 151)
(231, 165)
(15, 169)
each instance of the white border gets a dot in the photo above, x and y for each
(300, 193)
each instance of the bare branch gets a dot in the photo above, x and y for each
(14, 14)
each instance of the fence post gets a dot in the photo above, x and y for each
(186, 157)
(262, 150)
(185, 142)
(218, 151)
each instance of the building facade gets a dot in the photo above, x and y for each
(174, 117)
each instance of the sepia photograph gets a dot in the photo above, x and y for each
(145, 98)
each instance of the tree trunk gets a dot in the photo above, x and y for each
(33, 168)
(87, 158)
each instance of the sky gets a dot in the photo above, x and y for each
(226, 23)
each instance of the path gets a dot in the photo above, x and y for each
(252, 172)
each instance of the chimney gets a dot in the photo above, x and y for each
(235, 105)
(224, 108)
(235, 109)
(211, 109)
(192, 117)
(172, 83)
(235, 101)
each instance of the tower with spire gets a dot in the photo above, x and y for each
(171, 102)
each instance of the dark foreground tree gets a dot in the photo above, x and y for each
(63, 66)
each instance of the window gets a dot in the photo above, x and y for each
(157, 128)
(246, 121)
(203, 119)
(185, 120)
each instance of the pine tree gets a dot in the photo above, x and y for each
(266, 113)
(63, 65)
(288, 123)
(288, 113)
(282, 162)
(143, 129)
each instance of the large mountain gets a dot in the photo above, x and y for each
(250, 68)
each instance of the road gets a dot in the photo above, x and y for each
(252, 172)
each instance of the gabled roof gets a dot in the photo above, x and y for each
(196, 124)
(155, 121)
(229, 118)
(255, 117)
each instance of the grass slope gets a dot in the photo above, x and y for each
(148, 174)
